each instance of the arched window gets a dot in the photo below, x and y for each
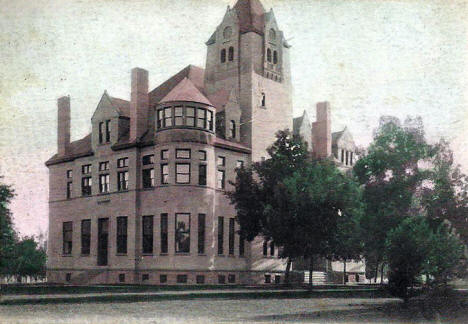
(269, 55)
(263, 99)
(275, 57)
(272, 34)
(223, 55)
(231, 53)
(232, 129)
(227, 33)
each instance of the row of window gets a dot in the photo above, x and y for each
(184, 116)
(347, 157)
(104, 132)
(182, 233)
(269, 56)
(182, 173)
(230, 55)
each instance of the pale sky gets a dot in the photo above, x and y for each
(367, 58)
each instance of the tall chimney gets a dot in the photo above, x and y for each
(138, 103)
(63, 125)
(321, 131)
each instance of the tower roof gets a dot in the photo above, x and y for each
(251, 15)
(185, 90)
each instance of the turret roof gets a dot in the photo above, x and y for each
(185, 90)
(251, 14)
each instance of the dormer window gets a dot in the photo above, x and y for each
(232, 128)
(108, 130)
(104, 132)
(223, 55)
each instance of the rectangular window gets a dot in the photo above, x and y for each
(351, 158)
(104, 183)
(108, 130)
(210, 120)
(122, 178)
(86, 184)
(67, 237)
(181, 278)
(347, 157)
(220, 235)
(190, 116)
(122, 163)
(85, 236)
(104, 166)
(164, 233)
(69, 174)
(267, 278)
(164, 154)
(342, 156)
(221, 179)
(239, 164)
(201, 233)
(231, 236)
(221, 279)
(86, 169)
(182, 173)
(148, 159)
(160, 118)
(147, 234)
(241, 245)
(182, 153)
(201, 118)
(148, 178)
(101, 132)
(122, 234)
(178, 116)
(202, 174)
(182, 233)
(221, 161)
(168, 117)
(231, 278)
(162, 278)
(121, 277)
(164, 173)
(200, 279)
(265, 248)
(202, 155)
(272, 248)
(69, 189)
(68, 277)
(145, 277)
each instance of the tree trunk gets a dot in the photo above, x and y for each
(311, 270)
(344, 272)
(288, 269)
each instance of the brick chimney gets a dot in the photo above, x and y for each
(63, 125)
(321, 131)
(138, 104)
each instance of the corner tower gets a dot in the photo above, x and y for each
(249, 54)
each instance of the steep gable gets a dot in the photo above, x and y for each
(251, 14)
(185, 90)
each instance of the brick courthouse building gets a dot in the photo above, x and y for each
(141, 199)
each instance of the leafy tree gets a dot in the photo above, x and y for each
(30, 258)
(293, 201)
(391, 176)
(407, 247)
(8, 236)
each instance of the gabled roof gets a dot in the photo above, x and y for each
(191, 72)
(77, 149)
(298, 121)
(219, 99)
(185, 90)
(251, 14)
(123, 106)
(337, 135)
